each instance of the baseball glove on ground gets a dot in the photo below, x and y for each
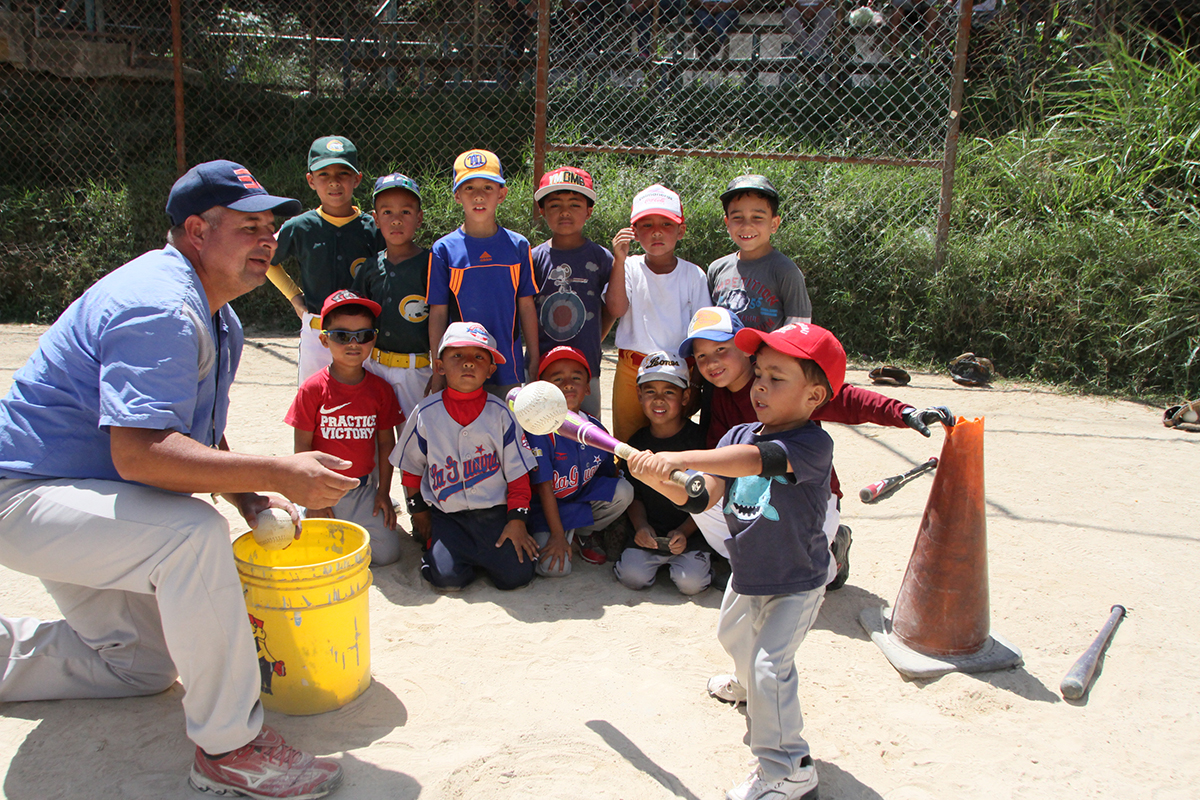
(1185, 417)
(971, 370)
(889, 375)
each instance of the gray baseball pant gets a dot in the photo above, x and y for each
(761, 633)
(604, 513)
(148, 589)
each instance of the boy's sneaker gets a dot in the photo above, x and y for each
(841, 555)
(590, 550)
(266, 767)
(800, 785)
(727, 689)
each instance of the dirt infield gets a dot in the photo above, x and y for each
(579, 688)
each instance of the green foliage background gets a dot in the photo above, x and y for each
(1074, 253)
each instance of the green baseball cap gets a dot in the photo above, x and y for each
(329, 150)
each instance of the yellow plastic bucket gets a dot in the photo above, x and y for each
(308, 610)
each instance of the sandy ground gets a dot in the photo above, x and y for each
(580, 688)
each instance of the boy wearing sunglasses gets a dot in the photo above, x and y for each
(346, 411)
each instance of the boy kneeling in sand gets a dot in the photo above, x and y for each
(466, 471)
(578, 490)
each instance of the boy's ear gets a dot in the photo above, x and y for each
(438, 367)
(308, 176)
(682, 230)
(357, 180)
(503, 193)
(324, 341)
(420, 217)
(817, 395)
(775, 220)
(492, 370)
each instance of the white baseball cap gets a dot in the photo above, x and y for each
(469, 334)
(656, 199)
(662, 366)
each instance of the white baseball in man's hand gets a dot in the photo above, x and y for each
(274, 529)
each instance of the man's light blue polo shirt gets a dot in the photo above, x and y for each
(138, 349)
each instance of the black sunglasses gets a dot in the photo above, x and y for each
(346, 337)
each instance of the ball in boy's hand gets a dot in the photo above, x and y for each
(539, 407)
(274, 529)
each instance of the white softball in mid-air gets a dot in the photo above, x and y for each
(274, 529)
(540, 407)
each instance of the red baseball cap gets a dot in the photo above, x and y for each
(345, 297)
(801, 340)
(561, 352)
(566, 179)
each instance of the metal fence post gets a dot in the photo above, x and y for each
(177, 61)
(541, 89)
(951, 153)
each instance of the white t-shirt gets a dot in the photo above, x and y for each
(660, 306)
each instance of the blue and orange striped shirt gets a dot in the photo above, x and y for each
(481, 280)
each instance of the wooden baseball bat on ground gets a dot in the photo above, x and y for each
(1079, 677)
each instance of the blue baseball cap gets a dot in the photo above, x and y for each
(713, 323)
(396, 180)
(223, 183)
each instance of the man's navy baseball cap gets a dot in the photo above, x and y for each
(223, 183)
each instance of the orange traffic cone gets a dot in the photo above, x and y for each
(941, 619)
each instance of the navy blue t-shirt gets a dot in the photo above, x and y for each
(778, 543)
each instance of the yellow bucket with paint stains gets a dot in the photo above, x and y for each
(308, 610)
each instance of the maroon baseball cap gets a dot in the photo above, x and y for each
(561, 352)
(345, 297)
(801, 340)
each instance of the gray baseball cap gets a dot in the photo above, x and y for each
(749, 183)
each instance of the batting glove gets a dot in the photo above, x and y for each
(920, 421)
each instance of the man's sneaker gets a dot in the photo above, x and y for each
(800, 785)
(590, 550)
(727, 689)
(264, 768)
(841, 556)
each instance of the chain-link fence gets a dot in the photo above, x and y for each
(842, 102)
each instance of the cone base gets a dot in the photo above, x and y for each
(995, 654)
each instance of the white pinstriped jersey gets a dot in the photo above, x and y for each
(463, 468)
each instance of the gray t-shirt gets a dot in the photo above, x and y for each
(762, 291)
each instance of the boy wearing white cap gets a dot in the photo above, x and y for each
(663, 534)
(465, 467)
(654, 295)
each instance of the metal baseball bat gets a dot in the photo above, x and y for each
(1079, 677)
(881, 489)
(581, 430)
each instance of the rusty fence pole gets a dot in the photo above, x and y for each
(541, 91)
(177, 65)
(950, 156)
